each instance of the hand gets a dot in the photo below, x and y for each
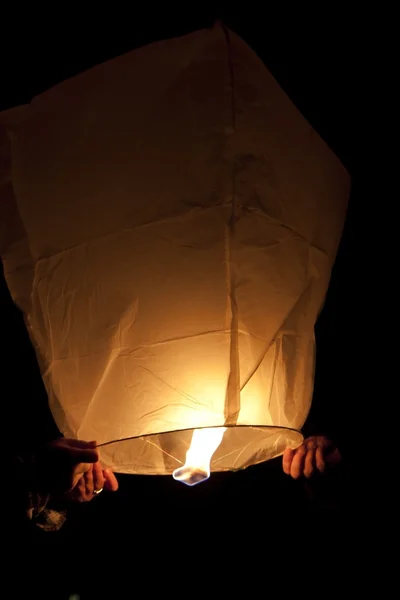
(314, 454)
(61, 464)
(94, 479)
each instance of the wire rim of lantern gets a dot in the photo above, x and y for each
(233, 426)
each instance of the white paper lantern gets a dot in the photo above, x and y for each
(171, 225)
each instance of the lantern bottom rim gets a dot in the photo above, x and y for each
(161, 453)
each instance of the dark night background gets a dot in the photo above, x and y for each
(319, 60)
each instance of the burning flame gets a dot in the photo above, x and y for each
(197, 466)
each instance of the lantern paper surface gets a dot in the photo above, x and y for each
(169, 225)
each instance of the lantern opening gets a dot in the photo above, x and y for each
(198, 458)
(191, 455)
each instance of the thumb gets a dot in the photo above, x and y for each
(80, 444)
(81, 455)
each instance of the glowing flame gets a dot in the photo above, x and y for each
(197, 466)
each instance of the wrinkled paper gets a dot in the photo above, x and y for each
(169, 222)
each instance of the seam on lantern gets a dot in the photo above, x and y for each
(276, 336)
(178, 391)
(98, 386)
(241, 452)
(233, 452)
(224, 456)
(116, 233)
(119, 231)
(262, 429)
(103, 377)
(275, 384)
(193, 336)
(232, 394)
(125, 352)
(277, 348)
(177, 339)
(162, 450)
(232, 76)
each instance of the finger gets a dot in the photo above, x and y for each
(81, 486)
(98, 477)
(111, 482)
(79, 470)
(309, 462)
(297, 466)
(77, 455)
(334, 458)
(320, 459)
(287, 460)
(78, 492)
(89, 481)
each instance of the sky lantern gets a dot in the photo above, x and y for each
(169, 225)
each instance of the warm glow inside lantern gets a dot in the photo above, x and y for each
(172, 221)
